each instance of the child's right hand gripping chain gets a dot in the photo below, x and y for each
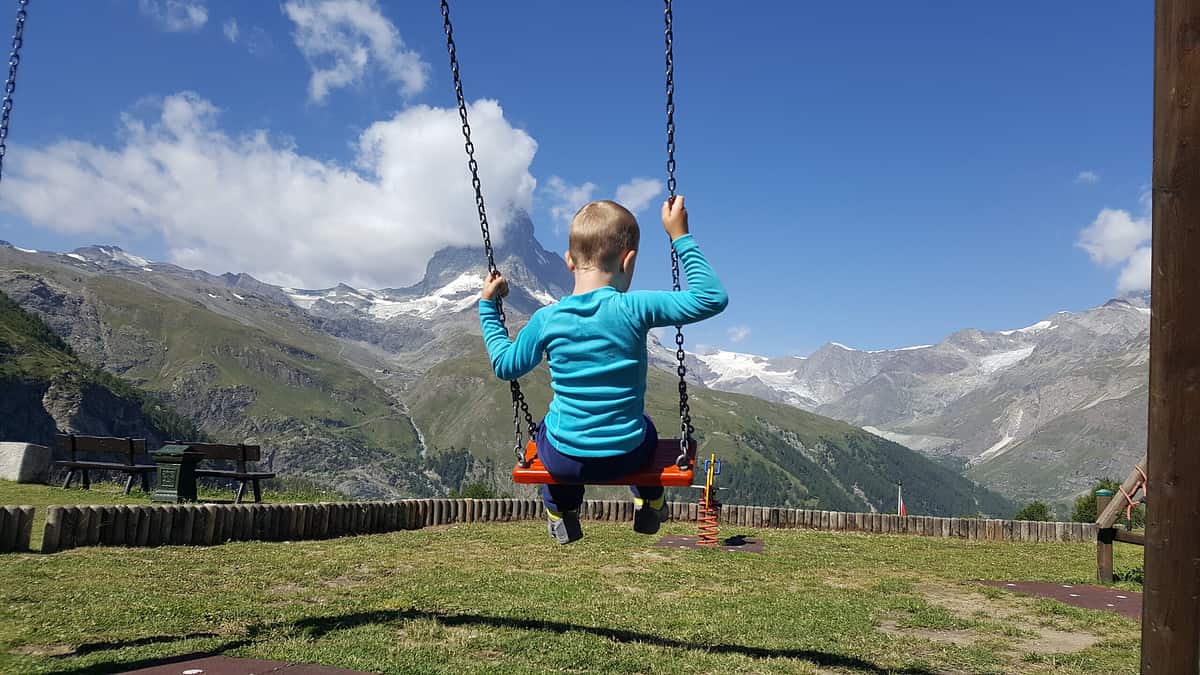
(674, 217)
(494, 286)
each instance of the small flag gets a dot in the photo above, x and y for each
(900, 508)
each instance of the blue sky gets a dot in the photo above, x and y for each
(878, 174)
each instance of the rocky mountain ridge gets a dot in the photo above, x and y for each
(1000, 403)
(374, 401)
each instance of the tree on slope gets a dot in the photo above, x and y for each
(1035, 510)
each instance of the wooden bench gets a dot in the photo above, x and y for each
(128, 448)
(242, 454)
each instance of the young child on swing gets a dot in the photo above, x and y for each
(595, 341)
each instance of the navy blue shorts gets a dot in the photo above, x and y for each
(579, 471)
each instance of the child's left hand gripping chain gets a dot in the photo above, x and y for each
(494, 286)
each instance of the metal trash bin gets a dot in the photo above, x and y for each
(176, 473)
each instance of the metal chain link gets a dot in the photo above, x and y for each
(685, 412)
(10, 85)
(520, 407)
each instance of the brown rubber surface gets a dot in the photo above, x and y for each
(225, 665)
(1125, 603)
(730, 544)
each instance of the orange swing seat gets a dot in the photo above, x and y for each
(660, 470)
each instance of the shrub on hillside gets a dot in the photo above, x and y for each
(1035, 510)
(1085, 505)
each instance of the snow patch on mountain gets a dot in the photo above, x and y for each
(107, 255)
(997, 362)
(993, 451)
(734, 369)
(118, 255)
(460, 294)
(900, 349)
(1041, 325)
(542, 297)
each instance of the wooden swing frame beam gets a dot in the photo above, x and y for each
(1171, 607)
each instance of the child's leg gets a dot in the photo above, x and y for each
(562, 498)
(649, 493)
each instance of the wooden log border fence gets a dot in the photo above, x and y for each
(16, 526)
(70, 527)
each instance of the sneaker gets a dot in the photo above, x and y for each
(564, 528)
(647, 518)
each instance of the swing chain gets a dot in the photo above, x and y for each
(520, 406)
(685, 412)
(10, 85)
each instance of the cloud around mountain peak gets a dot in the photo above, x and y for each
(255, 203)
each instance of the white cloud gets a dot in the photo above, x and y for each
(230, 29)
(1087, 177)
(254, 203)
(176, 15)
(1114, 235)
(257, 40)
(1117, 237)
(738, 333)
(638, 193)
(1136, 274)
(565, 199)
(342, 39)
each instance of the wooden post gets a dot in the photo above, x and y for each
(1171, 609)
(1114, 506)
(1104, 535)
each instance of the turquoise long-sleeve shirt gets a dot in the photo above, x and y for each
(596, 346)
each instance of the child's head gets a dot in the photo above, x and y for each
(604, 237)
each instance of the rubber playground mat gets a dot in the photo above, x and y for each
(199, 664)
(735, 543)
(1125, 603)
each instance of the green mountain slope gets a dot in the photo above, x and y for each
(773, 454)
(275, 381)
(244, 363)
(47, 388)
(293, 380)
(254, 371)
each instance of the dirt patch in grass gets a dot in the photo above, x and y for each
(958, 637)
(342, 582)
(971, 605)
(1051, 641)
(44, 650)
(1017, 622)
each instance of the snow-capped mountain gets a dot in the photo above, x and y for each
(1038, 411)
(453, 279)
(109, 256)
(103, 257)
(1066, 394)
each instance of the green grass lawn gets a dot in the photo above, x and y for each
(503, 598)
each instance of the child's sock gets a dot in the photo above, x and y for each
(655, 504)
(554, 515)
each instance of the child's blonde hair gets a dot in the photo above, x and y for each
(601, 232)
